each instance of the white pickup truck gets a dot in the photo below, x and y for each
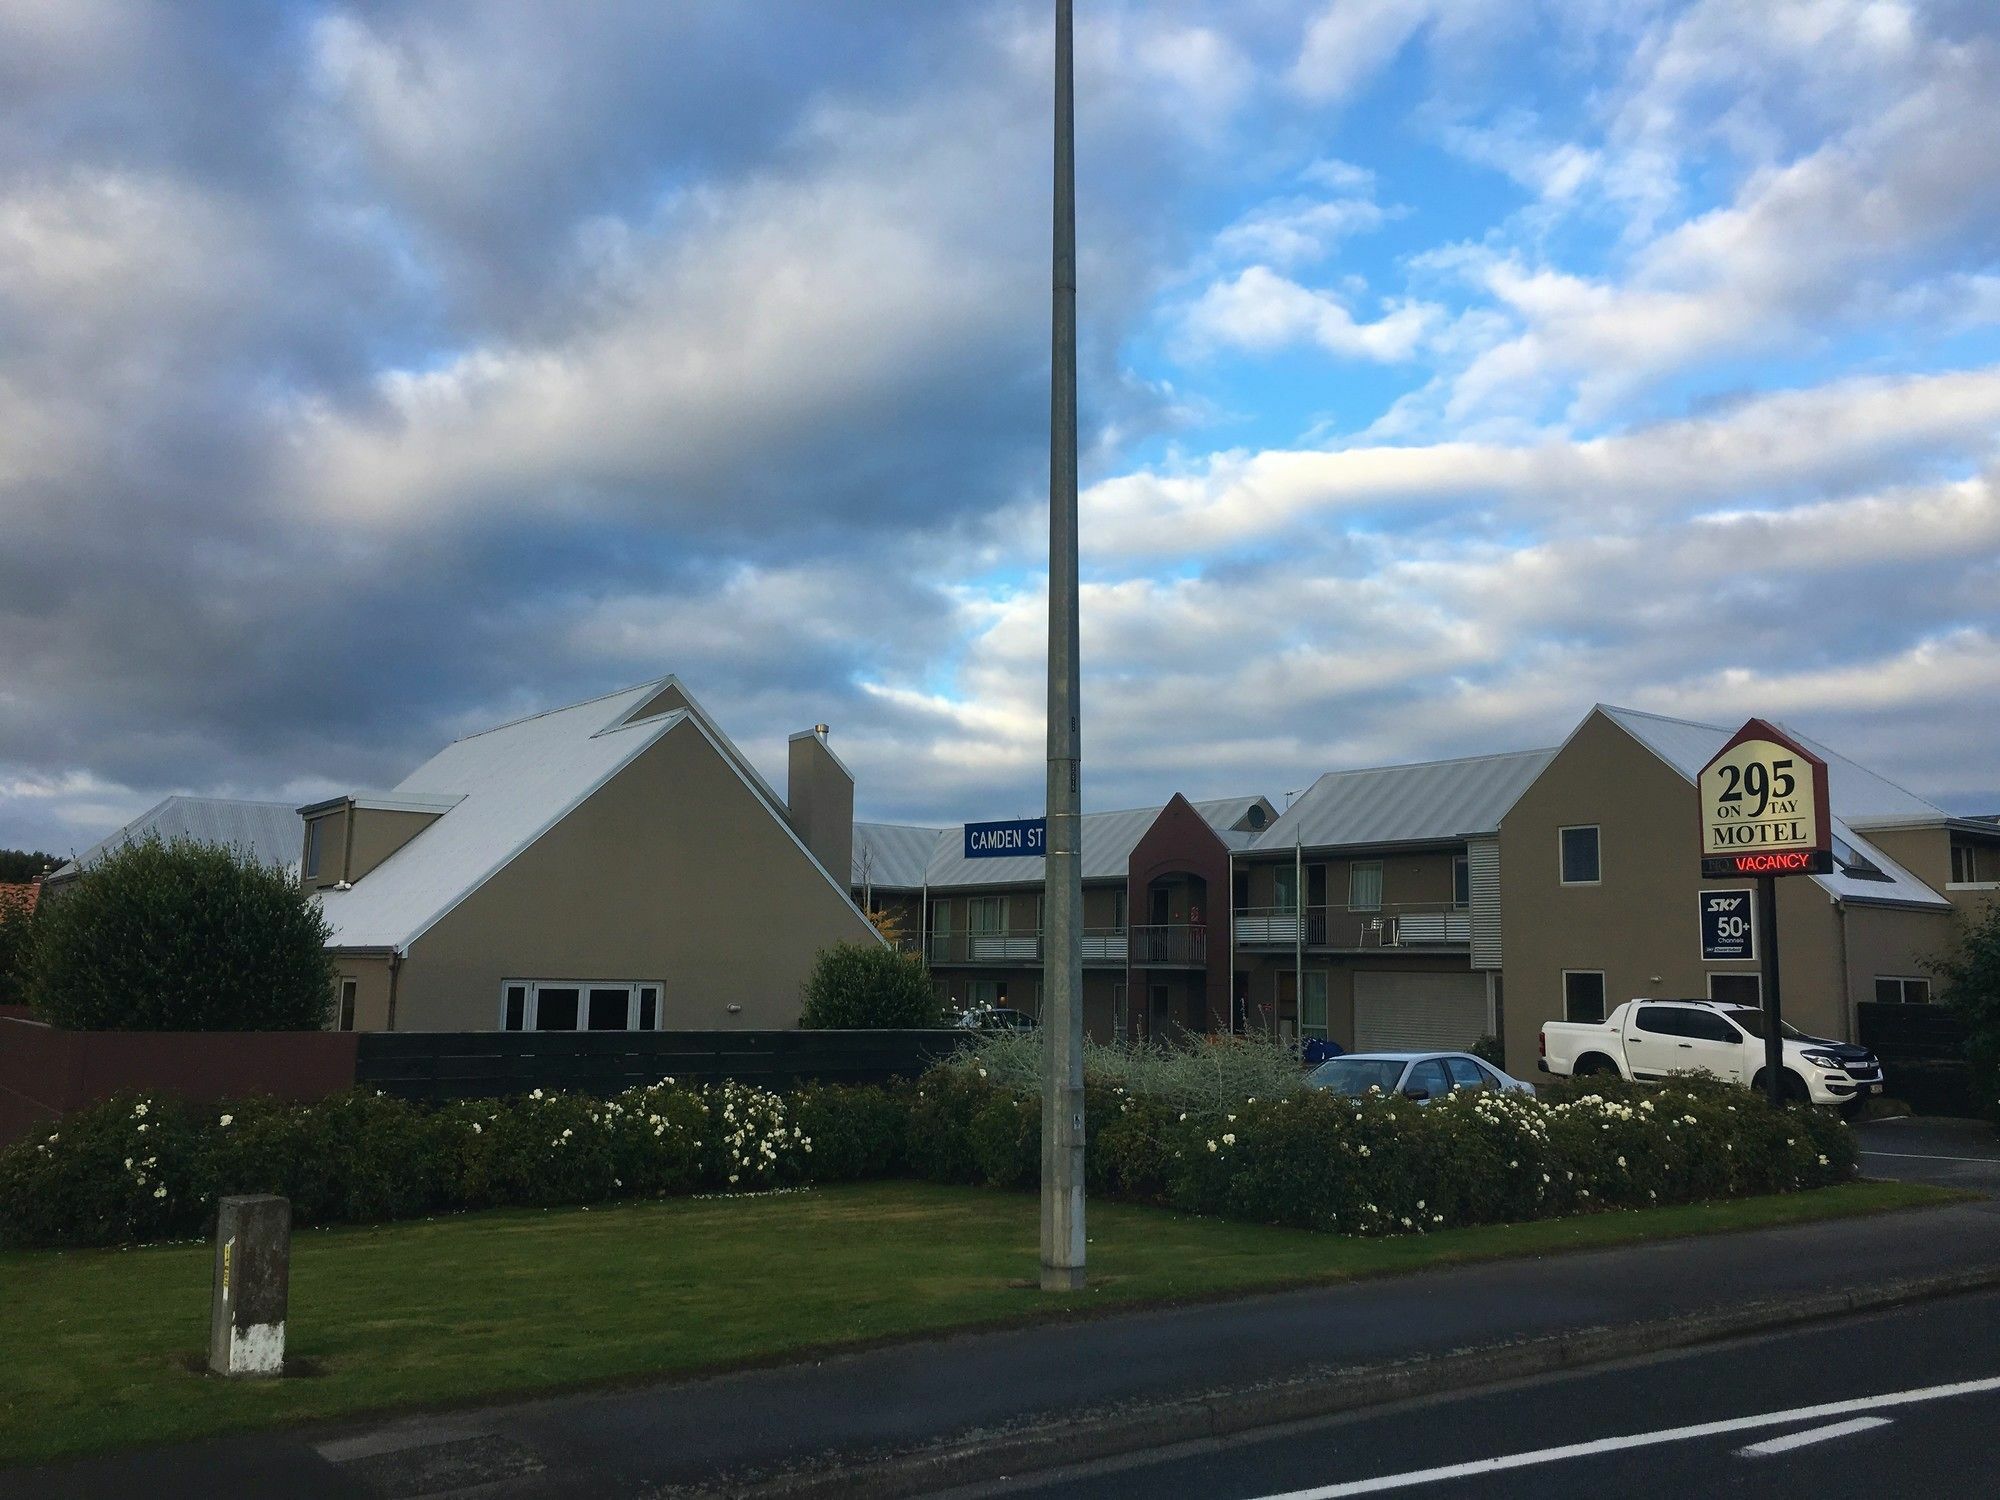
(1652, 1038)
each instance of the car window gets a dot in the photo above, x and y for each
(1662, 1020)
(1707, 1026)
(1428, 1076)
(1466, 1074)
(1495, 1079)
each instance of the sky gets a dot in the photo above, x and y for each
(374, 372)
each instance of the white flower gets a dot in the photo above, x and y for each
(475, 1128)
(1229, 1140)
(1211, 1145)
(227, 1120)
(1621, 1161)
(159, 1192)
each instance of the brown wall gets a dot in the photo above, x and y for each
(371, 975)
(1421, 879)
(820, 798)
(45, 1074)
(671, 873)
(1641, 924)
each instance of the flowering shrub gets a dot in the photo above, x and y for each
(136, 1169)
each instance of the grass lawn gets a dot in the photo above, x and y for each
(97, 1342)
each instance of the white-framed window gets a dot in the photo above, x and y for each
(986, 915)
(1965, 865)
(1583, 995)
(1898, 989)
(1286, 888)
(1461, 882)
(1737, 989)
(310, 864)
(1364, 885)
(1581, 864)
(579, 1005)
(348, 990)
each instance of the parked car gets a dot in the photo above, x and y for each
(1414, 1075)
(1651, 1038)
(995, 1018)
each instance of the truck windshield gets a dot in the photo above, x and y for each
(1357, 1075)
(1752, 1021)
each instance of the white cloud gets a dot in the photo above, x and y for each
(1259, 309)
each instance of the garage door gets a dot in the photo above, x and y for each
(1402, 1012)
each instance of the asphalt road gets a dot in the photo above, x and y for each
(1631, 1421)
(1950, 1153)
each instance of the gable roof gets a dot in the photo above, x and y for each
(502, 790)
(1434, 801)
(1858, 796)
(265, 833)
(1108, 841)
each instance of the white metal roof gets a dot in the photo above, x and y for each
(893, 856)
(1858, 795)
(1108, 841)
(514, 783)
(1431, 802)
(267, 833)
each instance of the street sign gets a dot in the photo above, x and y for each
(1728, 926)
(1764, 807)
(1007, 840)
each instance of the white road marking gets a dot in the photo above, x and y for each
(1804, 1439)
(1641, 1440)
(1984, 1161)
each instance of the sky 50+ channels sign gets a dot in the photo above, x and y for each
(1764, 807)
(1010, 840)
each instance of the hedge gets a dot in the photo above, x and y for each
(137, 1169)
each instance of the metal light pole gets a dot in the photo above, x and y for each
(1062, 962)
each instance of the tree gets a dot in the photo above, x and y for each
(1971, 987)
(865, 986)
(19, 866)
(16, 926)
(181, 937)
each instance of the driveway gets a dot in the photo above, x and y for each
(1950, 1153)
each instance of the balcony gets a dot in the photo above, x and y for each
(1102, 947)
(1171, 945)
(1406, 925)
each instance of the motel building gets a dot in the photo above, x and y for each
(1430, 905)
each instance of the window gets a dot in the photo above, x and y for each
(1894, 990)
(989, 992)
(1461, 882)
(1707, 1026)
(1964, 865)
(310, 865)
(1312, 1008)
(348, 987)
(1364, 886)
(1119, 913)
(1121, 1020)
(1466, 1074)
(988, 914)
(1579, 856)
(1736, 989)
(1288, 888)
(567, 1005)
(1583, 995)
(1427, 1078)
(1662, 1020)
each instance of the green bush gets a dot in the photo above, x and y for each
(16, 928)
(181, 937)
(857, 1133)
(1969, 977)
(867, 986)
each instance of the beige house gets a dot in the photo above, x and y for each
(614, 865)
(1600, 887)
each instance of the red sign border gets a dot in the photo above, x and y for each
(1820, 860)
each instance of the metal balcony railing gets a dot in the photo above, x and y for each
(1434, 924)
(1170, 945)
(1102, 946)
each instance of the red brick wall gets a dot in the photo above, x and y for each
(45, 1074)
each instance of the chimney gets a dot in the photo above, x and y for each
(819, 796)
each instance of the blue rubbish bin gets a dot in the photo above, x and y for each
(1317, 1050)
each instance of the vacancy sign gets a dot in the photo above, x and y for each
(1764, 807)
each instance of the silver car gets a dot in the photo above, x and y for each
(1420, 1076)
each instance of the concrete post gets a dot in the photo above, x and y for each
(253, 1268)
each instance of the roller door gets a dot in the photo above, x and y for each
(1412, 1012)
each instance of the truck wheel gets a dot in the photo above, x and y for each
(1792, 1087)
(1593, 1065)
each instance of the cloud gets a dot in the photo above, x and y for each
(1259, 309)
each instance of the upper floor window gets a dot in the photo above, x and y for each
(1461, 882)
(1964, 864)
(1580, 864)
(1287, 888)
(1364, 886)
(311, 863)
